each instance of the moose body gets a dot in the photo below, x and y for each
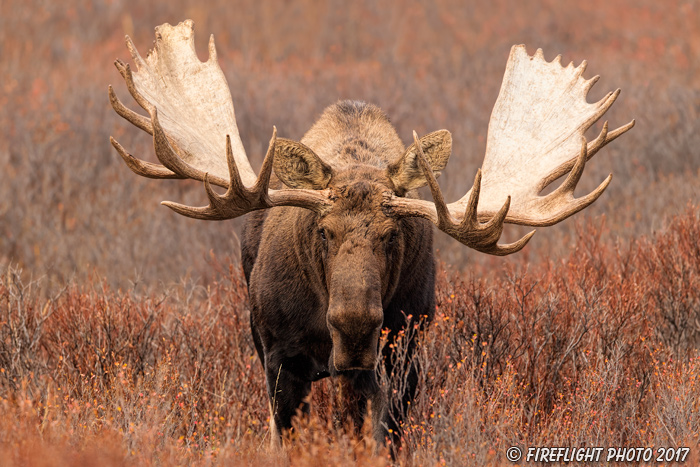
(375, 270)
(338, 246)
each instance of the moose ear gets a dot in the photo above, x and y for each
(406, 174)
(299, 167)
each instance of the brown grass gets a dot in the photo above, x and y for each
(68, 206)
(123, 333)
(599, 349)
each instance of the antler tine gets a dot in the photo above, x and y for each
(235, 182)
(216, 200)
(590, 83)
(165, 153)
(598, 143)
(575, 175)
(202, 213)
(135, 55)
(129, 115)
(619, 131)
(566, 190)
(143, 168)
(604, 104)
(470, 214)
(606, 137)
(496, 222)
(121, 66)
(128, 76)
(469, 231)
(212, 49)
(575, 204)
(594, 146)
(442, 211)
(263, 182)
(509, 248)
(235, 185)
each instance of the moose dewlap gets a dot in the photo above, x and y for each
(338, 245)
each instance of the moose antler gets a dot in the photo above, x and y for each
(535, 136)
(194, 129)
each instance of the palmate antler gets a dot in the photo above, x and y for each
(535, 136)
(194, 129)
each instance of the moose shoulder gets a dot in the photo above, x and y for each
(338, 245)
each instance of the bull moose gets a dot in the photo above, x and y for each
(339, 244)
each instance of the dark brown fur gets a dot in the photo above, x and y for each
(317, 305)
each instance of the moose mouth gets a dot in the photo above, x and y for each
(356, 352)
(364, 382)
(367, 363)
(319, 375)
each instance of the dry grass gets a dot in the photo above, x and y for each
(69, 207)
(599, 349)
(124, 336)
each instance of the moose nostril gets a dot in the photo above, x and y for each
(334, 320)
(354, 351)
(351, 322)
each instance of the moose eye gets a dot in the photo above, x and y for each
(391, 238)
(322, 233)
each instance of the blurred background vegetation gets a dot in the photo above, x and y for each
(69, 207)
(123, 326)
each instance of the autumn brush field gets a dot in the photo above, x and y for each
(124, 336)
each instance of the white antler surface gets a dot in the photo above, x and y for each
(535, 136)
(193, 101)
(537, 122)
(194, 129)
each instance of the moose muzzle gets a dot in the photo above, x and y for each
(355, 313)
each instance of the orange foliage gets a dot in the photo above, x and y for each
(597, 350)
(429, 66)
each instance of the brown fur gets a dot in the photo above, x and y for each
(318, 304)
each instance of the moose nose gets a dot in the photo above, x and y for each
(354, 319)
(355, 348)
(355, 336)
(355, 314)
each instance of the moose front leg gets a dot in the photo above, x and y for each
(287, 393)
